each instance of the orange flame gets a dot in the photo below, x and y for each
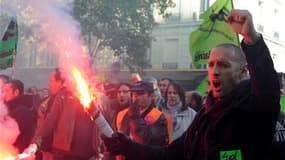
(7, 152)
(18, 157)
(7, 157)
(82, 88)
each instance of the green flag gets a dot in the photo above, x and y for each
(202, 87)
(282, 103)
(8, 45)
(213, 31)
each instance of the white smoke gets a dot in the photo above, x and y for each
(52, 22)
(59, 30)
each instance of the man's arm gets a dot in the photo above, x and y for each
(120, 144)
(263, 76)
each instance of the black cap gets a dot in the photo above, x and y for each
(143, 86)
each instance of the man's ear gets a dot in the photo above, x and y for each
(16, 92)
(244, 72)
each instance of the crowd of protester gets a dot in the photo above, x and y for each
(137, 109)
(158, 119)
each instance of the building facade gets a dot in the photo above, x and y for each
(170, 47)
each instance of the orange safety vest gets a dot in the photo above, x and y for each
(150, 119)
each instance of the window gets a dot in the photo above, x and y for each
(204, 5)
(169, 65)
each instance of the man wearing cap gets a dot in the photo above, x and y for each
(142, 121)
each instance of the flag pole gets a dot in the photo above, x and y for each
(13, 64)
(13, 75)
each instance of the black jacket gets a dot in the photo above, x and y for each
(242, 124)
(25, 116)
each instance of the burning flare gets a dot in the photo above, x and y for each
(82, 88)
(18, 157)
(9, 158)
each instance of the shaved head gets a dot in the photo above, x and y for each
(238, 55)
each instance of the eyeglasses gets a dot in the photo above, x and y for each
(123, 91)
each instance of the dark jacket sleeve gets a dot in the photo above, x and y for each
(263, 75)
(174, 151)
(155, 134)
(264, 80)
(26, 121)
(264, 101)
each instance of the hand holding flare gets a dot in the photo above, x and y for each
(93, 110)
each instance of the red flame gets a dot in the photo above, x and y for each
(82, 88)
